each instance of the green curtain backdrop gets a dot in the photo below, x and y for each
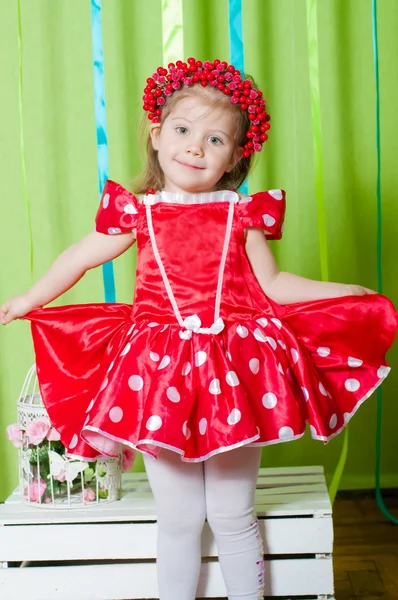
(62, 172)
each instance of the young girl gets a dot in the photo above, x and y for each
(221, 353)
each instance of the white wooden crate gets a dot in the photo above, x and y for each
(108, 552)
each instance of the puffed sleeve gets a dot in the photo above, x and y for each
(265, 210)
(118, 210)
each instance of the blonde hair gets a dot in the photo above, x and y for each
(152, 175)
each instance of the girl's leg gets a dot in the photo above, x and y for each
(230, 483)
(178, 489)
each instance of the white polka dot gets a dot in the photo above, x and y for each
(126, 349)
(200, 358)
(333, 421)
(314, 432)
(104, 384)
(153, 324)
(242, 331)
(232, 378)
(383, 372)
(234, 416)
(86, 421)
(322, 389)
(214, 387)
(186, 431)
(352, 385)
(154, 423)
(271, 342)
(154, 356)
(202, 426)
(268, 220)
(116, 414)
(282, 344)
(269, 400)
(164, 327)
(280, 369)
(276, 194)
(186, 368)
(173, 394)
(347, 417)
(110, 366)
(90, 406)
(306, 393)
(295, 355)
(354, 362)
(114, 230)
(285, 433)
(228, 355)
(263, 322)
(259, 335)
(254, 365)
(105, 200)
(136, 383)
(164, 362)
(277, 322)
(130, 209)
(73, 442)
(130, 331)
(323, 351)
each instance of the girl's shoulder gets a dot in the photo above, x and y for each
(263, 210)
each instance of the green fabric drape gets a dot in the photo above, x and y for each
(61, 167)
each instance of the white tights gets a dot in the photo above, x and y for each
(220, 489)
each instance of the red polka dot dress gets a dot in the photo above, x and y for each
(203, 361)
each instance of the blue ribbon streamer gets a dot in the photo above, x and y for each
(100, 119)
(236, 46)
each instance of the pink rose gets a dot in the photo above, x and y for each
(14, 434)
(34, 491)
(128, 458)
(87, 496)
(37, 430)
(53, 435)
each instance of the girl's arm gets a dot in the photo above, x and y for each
(286, 288)
(70, 266)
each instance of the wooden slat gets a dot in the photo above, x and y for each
(138, 581)
(138, 541)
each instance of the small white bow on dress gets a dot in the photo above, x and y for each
(193, 324)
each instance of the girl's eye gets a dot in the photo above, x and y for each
(182, 130)
(214, 140)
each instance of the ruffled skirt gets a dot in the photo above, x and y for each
(106, 380)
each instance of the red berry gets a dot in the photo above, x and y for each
(217, 62)
(221, 78)
(231, 69)
(204, 83)
(220, 86)
(244, 107)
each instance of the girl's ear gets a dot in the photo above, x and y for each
(236, 156)
(154, 132)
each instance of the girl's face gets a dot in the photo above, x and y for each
(196, 146)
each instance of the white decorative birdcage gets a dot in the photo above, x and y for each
(47, 477)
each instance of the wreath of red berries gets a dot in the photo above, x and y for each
(220, 75)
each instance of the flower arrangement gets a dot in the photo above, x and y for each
(48, 475)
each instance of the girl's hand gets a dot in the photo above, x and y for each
(14, 308)
(359, 290)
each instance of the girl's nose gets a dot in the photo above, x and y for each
(195, 149)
